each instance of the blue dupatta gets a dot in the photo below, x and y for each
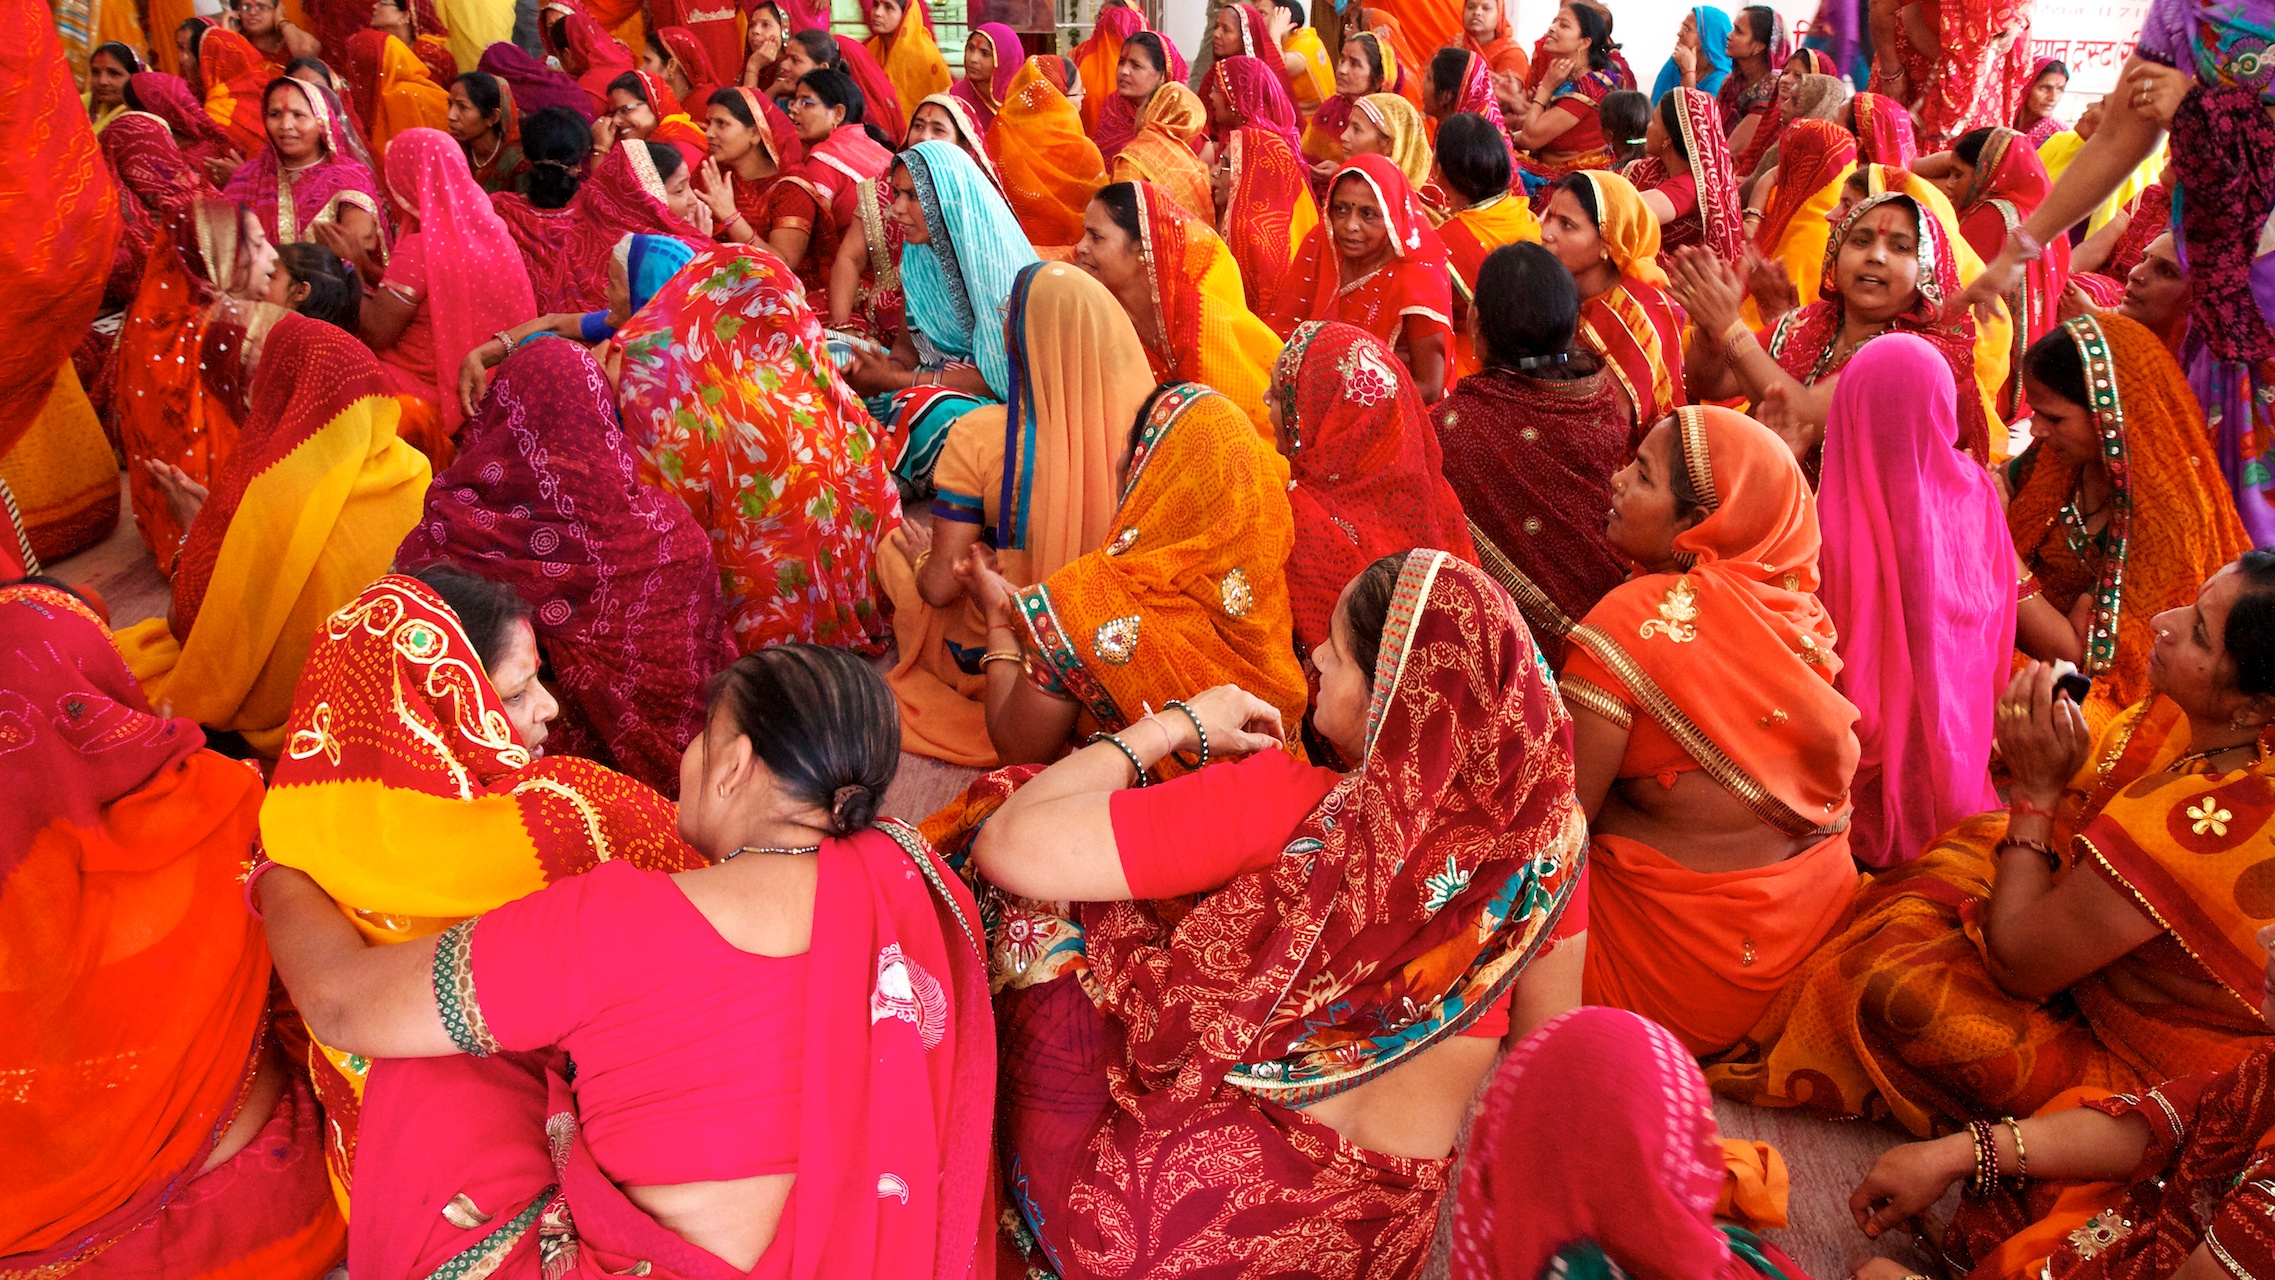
(1713, 45)
(959, 286)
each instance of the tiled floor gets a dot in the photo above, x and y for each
(1825, 1160)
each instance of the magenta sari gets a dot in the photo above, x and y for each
(1917, 575)
(897, 1091)
(288, 203)
(1008, 56)
(171, 99)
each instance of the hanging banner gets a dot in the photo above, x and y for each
(2092, 37)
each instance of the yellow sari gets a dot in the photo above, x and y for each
(911, 59)
(1409, 138)
(1162, 152)
(1190, 590)
(308, 509)
(1208, 334)
(1317, 83)
(394, 90)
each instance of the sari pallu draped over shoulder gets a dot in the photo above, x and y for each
(535, 86)
(957, 283)
(1367, 477)
(1413, 897)
(392, 89)
(2172, 523)
(151, 165)
(306, 509)
(567, 253)
(687, 50)
(1209, 334)
(1636, 325)
(1815, 158)
(171, 99)
(1003, 41)
(1409, 293)
(545, 495)
(1047, 168)
(1713, 28)
(403, 792)
(1269, 213)
(2009, 184)
(1257, 93)
(128, 948)
(728, 395)
(291, 201)
(1716, 222)
(1117, 120)
(1729, 665)
(1190, 589)
(1803, 342)
(1162, 151)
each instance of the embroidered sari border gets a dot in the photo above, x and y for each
(1541, 613)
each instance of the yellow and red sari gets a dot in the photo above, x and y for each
(308, 508)
(1270, 210)
(909, 56)
(1470, 235)
(1048, 166)
(236, 80)
(1208, 333)
(1162, 153)
(1815, 158)
(2008, 186)
(1899, 1016)
(404, 793)
(135, 1014)
(392, 89)
(1636, 326)
(1190, 589)
(61, 207)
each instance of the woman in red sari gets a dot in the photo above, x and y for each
(567, 252)
(1096, 58)
(1995, 182)
(170, 99)
(1264, 208)
(1598, 226)
(1365, 472)
(545, 496)
(1248, 92)
(826, 107)
(755, 192)
(1685, 177)
(167, 1136)
(1962, 63)
(2042, 94)
(1883, 131)
(235, 76)
(1434, 880)
(1376, 263)
(584, 48)
(1555, 130)
(1757, 47)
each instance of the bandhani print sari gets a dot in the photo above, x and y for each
(2009, 184)
(567, 250)
(1162, 151)
(1270, 211)
(1209, 334)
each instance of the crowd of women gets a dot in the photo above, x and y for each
(1487, 600)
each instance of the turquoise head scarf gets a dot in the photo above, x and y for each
(959, 286)
(650, 261)
(1714, 55)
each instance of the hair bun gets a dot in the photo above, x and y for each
(853, 807)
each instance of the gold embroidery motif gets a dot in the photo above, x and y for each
(316, 737)
(1774, 719)
(1116, 640)
(1678, 614)
(1122, 542)
(1810, 653)
(1235, 593)
(1793, 582)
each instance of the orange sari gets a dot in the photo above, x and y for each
(1740, 639)
(1270, 210)
(1096, 57)
(1048, 166)
(61, 206)
(1208, 333)
(136, 1000)
(1469, 236)
(1190, 590)
(1866, 1028)
(1168, 130)
(236, 81)
(1636, 325)
(393, 91)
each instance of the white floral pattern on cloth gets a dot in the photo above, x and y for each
(1367, 381)
(905, 991)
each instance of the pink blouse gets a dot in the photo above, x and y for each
(687, 1051)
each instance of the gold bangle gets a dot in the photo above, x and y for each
(994, 655)
(921, 558)
(2021, 1158)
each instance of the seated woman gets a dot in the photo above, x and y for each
(1366, 67)
(1181, 289)
(1920, 589)
(1995, 182)
(620, 581)
(2115, 516)
(764, 38)
(865, 296)
(641, 107)
(311, 280)
(1888, 269)
(2035, 116)
(1701, 56)
(637, 270)
(1883, 130)
(1264, 209)
(1461, 82)
(991, 49)
(754, 190)
(1685, 177)
(1250, 92)
(1190, 588)
(1758, 47)
(639, 188)
(307, 508)
(1365, 472)
(556, 147)
(963, 250)
(486, 127)
(1531, 442)
(905, 49)
(1714, 751)
(2093, 936)
(842, 149)
(772, 452)
(124, 862)
(585, 50)
(1598, 226)
(1161, 152)
(1428, 890)
(1789, 216)
(1047, 167)
(1554, 128)
(1375, 263)
(109, 66)
(1473, 173)
(1147, 62)
(841, 954)
(1385, 124)
(170, 99)
(1595, 1153)
(454, 279)
(1039, 498)
(392, 90)
(1808, 89)
(307, 177)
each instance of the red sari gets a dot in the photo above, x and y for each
(1883, 131)
(1270, 212)
(1367, 476)
(1964, 81)
(785, 199)
(1407, 297)
(567, 250)
(2009, 184)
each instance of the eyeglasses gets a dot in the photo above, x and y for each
(804, 103)
(624, 110)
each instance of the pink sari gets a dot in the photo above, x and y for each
(289, 202)
(1254, 89)
(1915, 574)
(897, 1093)
(1009, 53)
